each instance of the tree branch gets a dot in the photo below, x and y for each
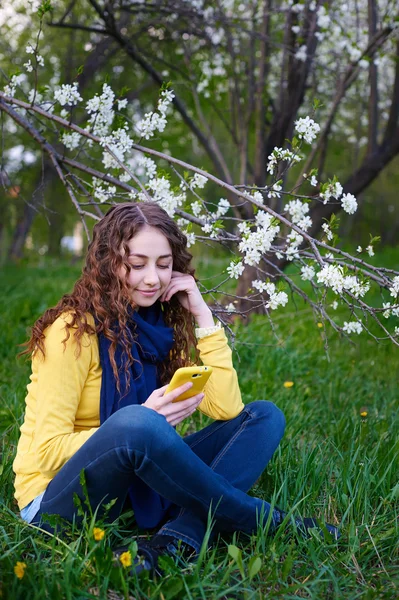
(135, 55)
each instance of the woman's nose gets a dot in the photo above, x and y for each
(151, 277)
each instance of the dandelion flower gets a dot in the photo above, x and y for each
(288, 384)
(320, 325)
(98, 534)
(19, 569)
(363, 413)
(126, 559)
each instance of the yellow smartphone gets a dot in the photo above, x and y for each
(197, 375)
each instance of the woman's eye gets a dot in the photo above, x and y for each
(136, 267)
(164, 266)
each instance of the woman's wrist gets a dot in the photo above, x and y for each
(205, 319)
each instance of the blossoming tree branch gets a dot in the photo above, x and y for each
(100, 149)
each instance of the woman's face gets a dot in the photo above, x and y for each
(150, 257)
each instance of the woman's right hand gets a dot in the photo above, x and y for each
(174, 412)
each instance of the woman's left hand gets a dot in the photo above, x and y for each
(186, 290)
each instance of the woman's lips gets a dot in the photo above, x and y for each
(148, 293)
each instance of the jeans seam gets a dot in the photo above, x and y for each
(229, 444)
(193, 542)
(207, 434)
(227, 447)
(83, 469)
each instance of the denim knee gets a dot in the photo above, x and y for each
(138, 425)
(269, 413)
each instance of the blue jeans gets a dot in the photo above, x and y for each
(210, 469)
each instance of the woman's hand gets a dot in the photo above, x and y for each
(174, 412)
(189, 296)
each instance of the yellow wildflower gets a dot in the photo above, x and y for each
(363, 413)
(126, 559)
(320, 325)
(98, 534)
(288, 384)
(19, 569)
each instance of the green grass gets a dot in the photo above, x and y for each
(332, 464)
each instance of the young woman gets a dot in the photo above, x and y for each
(96, 403)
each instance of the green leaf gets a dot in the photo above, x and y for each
(44, 8)
(172, 587)
(234, 552)
(287, 566)
(254, 566)
(236, 555)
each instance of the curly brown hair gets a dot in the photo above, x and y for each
(106, 297)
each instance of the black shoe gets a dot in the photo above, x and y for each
(148, 553)
(305, 525)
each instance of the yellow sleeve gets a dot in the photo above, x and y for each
(222, 393)
(61, 377)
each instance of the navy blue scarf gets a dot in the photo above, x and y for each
(151, 341)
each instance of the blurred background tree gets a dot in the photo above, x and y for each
(242, 72)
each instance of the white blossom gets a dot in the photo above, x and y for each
(297, 209)
(207, 228)
(119, 142)
(396, 332)
(29, 49)
(122, 103)
(235, 269)
(294, 241)
(352, 327)
(223, 207)
(71, 140)
(28, 66)
(355, 287)
(394, 288)
(349, 203)
(301, 54)
(190, 238)
(243, 227)
(164, 196)
(313, 181)
(196, 208)
(332, 190)
(151, 123)
(68, 94)
(198, 181)
(148, 165)
(307, 272)
(276, 299)
(255, 243)
(370, 250)
(100, 109)
(155, 121)
(230, 308)
(359, 249)
(334, 305)
(274, 191)
(307, 129)
(279, 154)
(297, 8)
(258, 197)
(102, 193)
(11, 87)
(387, 310)
(326, 228)
(125, 177)
(305, 223)
(332, 276)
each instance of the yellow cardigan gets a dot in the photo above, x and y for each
(63, 403)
